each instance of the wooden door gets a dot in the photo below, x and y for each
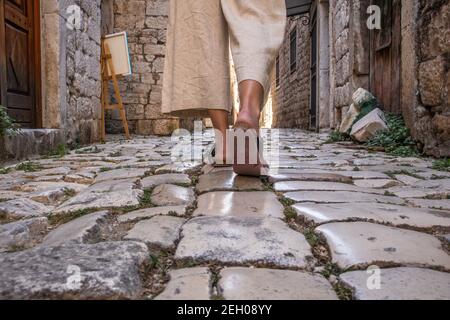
(385, 56)
(19, 60)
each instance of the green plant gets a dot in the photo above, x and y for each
(7, 124)
(442, 164)
(59, 152)
(29, 166)
(146, 200)
(290, 213)
(5, 170)
(396, 140)
(337, 136)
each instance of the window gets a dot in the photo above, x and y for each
(293, 51)
(277, 72)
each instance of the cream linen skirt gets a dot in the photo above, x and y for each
(199, 36)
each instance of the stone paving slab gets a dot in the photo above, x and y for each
(324, 177)
(108, 270)
(162, 231)
(172, 195)
(170, 178)
(355, 244)
(46, 186)
(59, 171)
(177, 167)
(107, 194)
(400, 284)
(86, 229)
(432, 204)
(188, 284)
(377, 183)
(411, 192)
(23, 208)
(120, 174)
(151, 212)
(239, 204)
(378, 212)
(6, 195)
(22, 234)
(289, 186)
(266, 284)
(244, 240)
(341, 197)
(227, 181)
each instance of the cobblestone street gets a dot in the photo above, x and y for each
(121, 220)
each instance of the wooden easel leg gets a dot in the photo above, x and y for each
(118, 97)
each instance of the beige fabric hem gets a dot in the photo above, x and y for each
(199, 37)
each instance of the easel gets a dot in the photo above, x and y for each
(106, 62)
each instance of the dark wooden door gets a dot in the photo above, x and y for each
(19, 59)
(385, 56)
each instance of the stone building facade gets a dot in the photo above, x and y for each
(146, 25)
(414, 78)
(67, 101)
(404, 63)
(291, 79)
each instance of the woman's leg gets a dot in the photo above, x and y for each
(251, 95)
(257, 30)
(219, 120)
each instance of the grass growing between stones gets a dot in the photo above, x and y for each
(90, 150)
(442, 165)
(29, 166)
(60, 219)
(156, 273)
(337, 136)
(5, 170)
(60, 151)
(392, 174)
(146, 199)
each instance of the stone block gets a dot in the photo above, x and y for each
(369, 126)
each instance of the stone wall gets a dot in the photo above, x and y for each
(82, 117)
(290, 101)
(349, 60)
(145, 23)
(432, 113)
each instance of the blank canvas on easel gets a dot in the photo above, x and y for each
(118, 45)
